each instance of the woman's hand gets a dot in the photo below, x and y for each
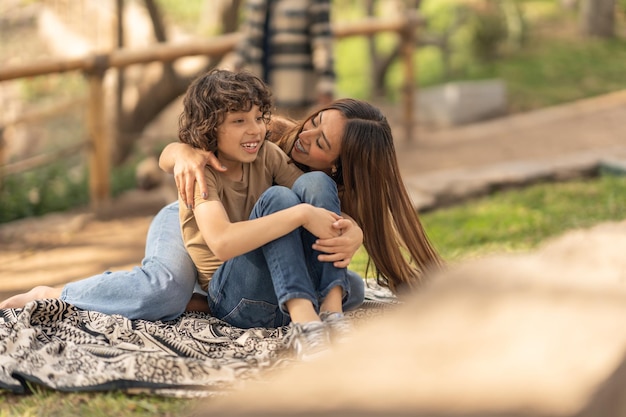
(189, 169)
(187, 164)
(340, 250)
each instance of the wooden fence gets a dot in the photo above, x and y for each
(95, 66)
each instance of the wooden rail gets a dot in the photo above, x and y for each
(95, 66)
(120, 58)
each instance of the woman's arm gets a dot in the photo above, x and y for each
(187, 164)
(340, 250)
(227, 240)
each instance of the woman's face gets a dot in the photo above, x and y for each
(319, 143)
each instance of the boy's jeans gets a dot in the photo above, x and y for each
(250, 290)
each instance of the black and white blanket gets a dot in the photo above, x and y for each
(55, 345)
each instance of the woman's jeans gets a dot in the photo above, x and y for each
(161, 287)
(250, 290)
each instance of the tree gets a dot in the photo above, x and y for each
(597, 18)
(380, 62)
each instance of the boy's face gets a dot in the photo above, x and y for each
(240, 137)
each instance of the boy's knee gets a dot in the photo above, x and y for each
(275, 198)
(314, 184)
(277, 192)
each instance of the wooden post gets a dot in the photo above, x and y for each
(119, 94)
(2, 155)
(99, 151)
(407, 36)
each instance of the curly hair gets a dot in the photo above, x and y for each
(211, 96)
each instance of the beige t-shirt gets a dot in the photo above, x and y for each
(238, 198)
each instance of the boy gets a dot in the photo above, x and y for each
(251, 237)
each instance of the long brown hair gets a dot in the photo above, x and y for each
(373, 193)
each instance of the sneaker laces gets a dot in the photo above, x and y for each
(308, 340)
(340, 326)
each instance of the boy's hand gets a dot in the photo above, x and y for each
(320, 222)
(340, 250)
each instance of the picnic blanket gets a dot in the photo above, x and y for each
(56, 345)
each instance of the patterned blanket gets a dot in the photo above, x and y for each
(54, 344)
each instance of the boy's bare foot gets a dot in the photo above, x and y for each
(37, 293)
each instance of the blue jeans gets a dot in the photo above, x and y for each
(250, 290)
(159, 289)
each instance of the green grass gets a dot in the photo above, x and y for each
(520, 219)
(49, 403)
(556, 65)
(60, 186)
(558, 71)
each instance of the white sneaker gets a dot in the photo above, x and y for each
(308, 340)
(339, 324)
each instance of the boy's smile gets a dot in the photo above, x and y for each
(251, 147)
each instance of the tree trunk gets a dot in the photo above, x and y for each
(597, 18)
(164, 89)
(380, 63)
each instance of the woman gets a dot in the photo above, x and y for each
(348, 139)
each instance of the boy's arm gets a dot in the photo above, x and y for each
(227, 240)
(187, 164)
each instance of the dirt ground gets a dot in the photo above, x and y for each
(68, 246)
(62, 247)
